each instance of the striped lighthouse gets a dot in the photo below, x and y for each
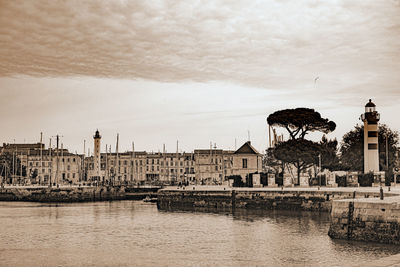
(371, 156)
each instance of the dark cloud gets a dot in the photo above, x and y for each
(264, 44)
(219, 66)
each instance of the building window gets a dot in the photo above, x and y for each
(372, 134)
(372, 146)
(244, 163)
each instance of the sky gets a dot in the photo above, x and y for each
(195, 71)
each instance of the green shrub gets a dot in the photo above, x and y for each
(237, 180)
(366, 179)
(341, 180)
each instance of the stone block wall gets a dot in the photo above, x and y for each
(320, 200)
(65, 194)
(366, 220)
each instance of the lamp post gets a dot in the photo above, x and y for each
(387, 153)
(319, 169)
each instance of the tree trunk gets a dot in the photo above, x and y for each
(298, 173)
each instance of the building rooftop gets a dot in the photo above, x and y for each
(247, 148)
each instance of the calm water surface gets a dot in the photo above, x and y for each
(133, 233)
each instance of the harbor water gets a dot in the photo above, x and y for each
(134, 233)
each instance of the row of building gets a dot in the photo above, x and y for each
(202, 166)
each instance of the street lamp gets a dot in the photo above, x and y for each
(319, 171)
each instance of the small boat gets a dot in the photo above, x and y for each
(150, 199)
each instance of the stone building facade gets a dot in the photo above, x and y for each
(41, 164)
(62, 167)
(203, 166)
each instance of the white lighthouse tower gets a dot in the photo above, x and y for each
(371, 156)
(96, 155)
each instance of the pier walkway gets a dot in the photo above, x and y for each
(386, 189)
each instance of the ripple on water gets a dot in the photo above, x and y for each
(133, 233)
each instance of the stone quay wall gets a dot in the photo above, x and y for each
(366, 220)
(62, 194)
(285, 199)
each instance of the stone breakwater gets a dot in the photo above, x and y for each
(308, 199)
(62, 194)
(356, 214)
(366, 220)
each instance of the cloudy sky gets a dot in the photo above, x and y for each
(197, 71)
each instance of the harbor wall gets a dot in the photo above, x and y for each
(372, 220)
(309, 200)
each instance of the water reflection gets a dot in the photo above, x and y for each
(137, 233)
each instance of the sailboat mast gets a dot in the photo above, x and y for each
(41, 157)
(106, 165)
(132, 161)
(51, 163)
(117, 157)
(164, 164)
(62, 160)
(177, 161)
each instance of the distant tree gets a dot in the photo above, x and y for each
(329, 154)
(270, 162)
(34, 174)
(237, 180)
(301, 153)
(352, 148)
(300, 121)
(298, 151)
